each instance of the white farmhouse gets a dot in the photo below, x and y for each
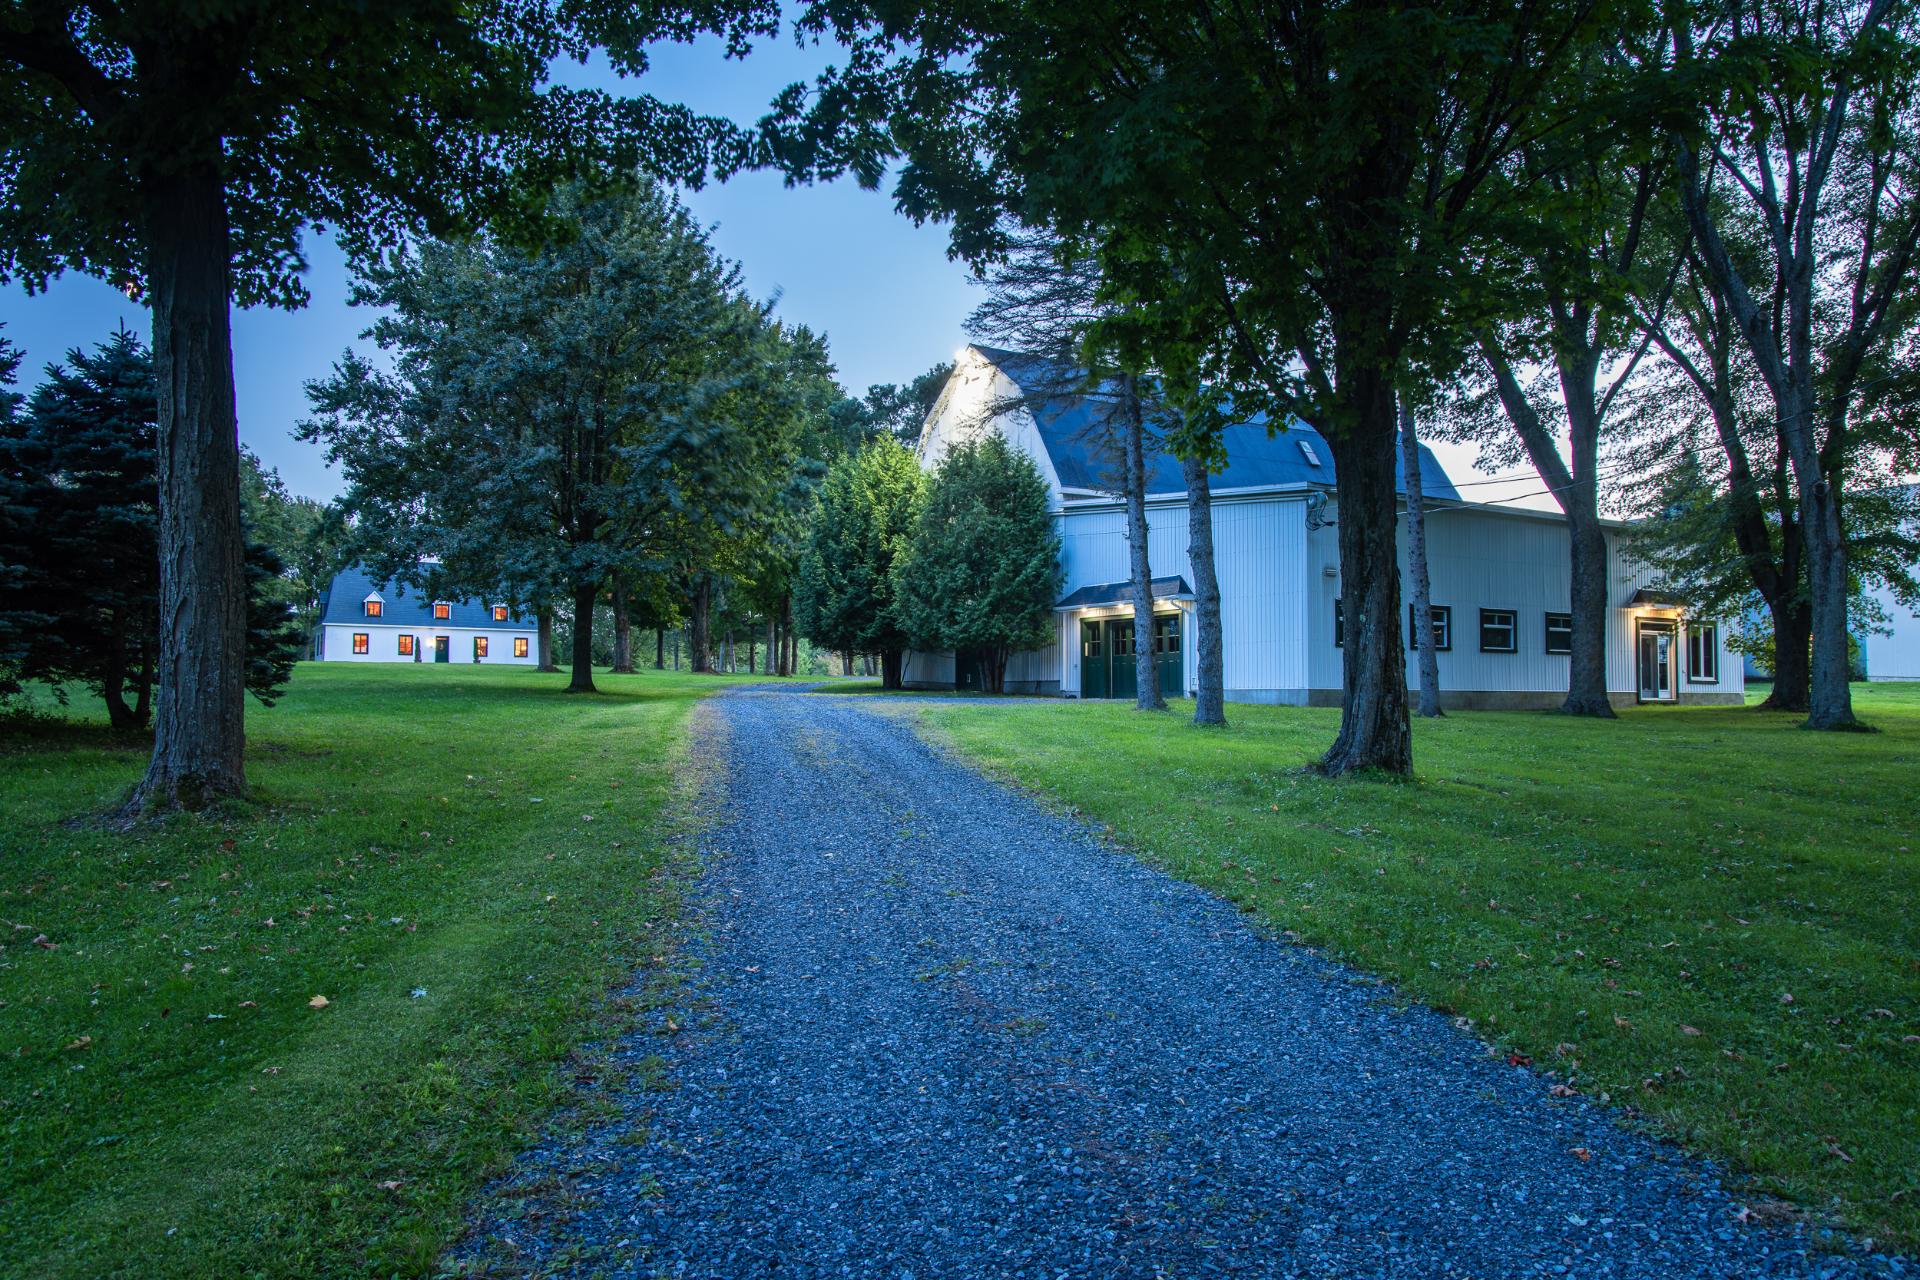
(369, 621)
(1500, 574)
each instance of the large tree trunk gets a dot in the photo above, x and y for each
(543, 643)
(622, 631)
(1792, 642)
(699, 658)
(1587, 665)
(1147, 696)
(773, 645)
(1374, 730)
(1419, 584)
(1829, 694)
(891, 661)
(585, 595)
(1210, 701)
(660, 649)
(200, 736)
(790, 641)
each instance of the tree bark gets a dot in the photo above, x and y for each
(1374, 730)
(846, 662)
(1576, 489)
(1792, 644)
(773, 645)
(1146, 695)
(543, 643)
(660, 649)
(113, 679)
(1419, 583)
(790, 642)
(1210, 701)
(698, 656)
(622, 631)
(585, 596)
(891, 662)
(200, 733)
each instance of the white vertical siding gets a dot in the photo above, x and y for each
(1894, 656)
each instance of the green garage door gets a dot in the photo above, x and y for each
(1106, 657)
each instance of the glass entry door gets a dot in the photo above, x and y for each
(1656, 649)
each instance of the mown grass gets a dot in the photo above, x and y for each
(1705, 915)
(462, 861)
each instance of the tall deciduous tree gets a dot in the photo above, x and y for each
(1307, 172)
(982, 569)
(549, 408)
(177, 150)
(1807, 129)
(845, 599)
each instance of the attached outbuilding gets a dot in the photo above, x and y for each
(1501, 581)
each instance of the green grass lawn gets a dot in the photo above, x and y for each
(1705, 915)
(462, 861)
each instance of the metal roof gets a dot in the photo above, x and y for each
(1072, 426)
(404, 606)
(1101, 593)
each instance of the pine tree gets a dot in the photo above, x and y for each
(983, 567)
(845, 597)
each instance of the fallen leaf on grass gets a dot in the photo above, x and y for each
(1686, 1030)
(1563, 1091)
(391, 1184)
(1580, 1153)
(43, 941)
(84, 1042)
(318, 1002)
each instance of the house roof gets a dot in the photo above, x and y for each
(405, 606)
(1101, 593)
(1256, 457)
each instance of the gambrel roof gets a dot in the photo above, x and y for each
(1070, 427)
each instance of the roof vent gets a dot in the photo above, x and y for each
(1306, 448)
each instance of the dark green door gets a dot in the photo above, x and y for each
(1125, 683)
(441, 648)
(1166, 654)
(1094, 681)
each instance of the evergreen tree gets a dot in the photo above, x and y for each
(982, 569)
(79, 547)
(867, 510)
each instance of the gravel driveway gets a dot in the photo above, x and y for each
(936, 1031)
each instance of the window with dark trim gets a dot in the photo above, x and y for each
(1339, 625)
(479, 648)
(360, 642)
(442, 610)
(1559, 633)
(1442, 623)
(373, 608)
(519, 646)
(406, 646)
(1703, 652)
(499, 613)
(1499, 631)
(1166, 633)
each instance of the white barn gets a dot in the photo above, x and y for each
(1500, 575)
(370, 621)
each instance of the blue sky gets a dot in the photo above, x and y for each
(841, 259)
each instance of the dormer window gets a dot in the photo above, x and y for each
(442, 610)
(1306, 451)
(499, 613)
(373, 606)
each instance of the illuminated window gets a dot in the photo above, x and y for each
(520, 647)
(499, 613)
(359, 642)
(479, 648)
(442, 610)
(406, 646)
(373, 608)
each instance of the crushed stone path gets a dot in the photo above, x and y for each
(936, 1031)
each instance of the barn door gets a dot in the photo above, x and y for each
(1126, 681)
(1094, 661)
